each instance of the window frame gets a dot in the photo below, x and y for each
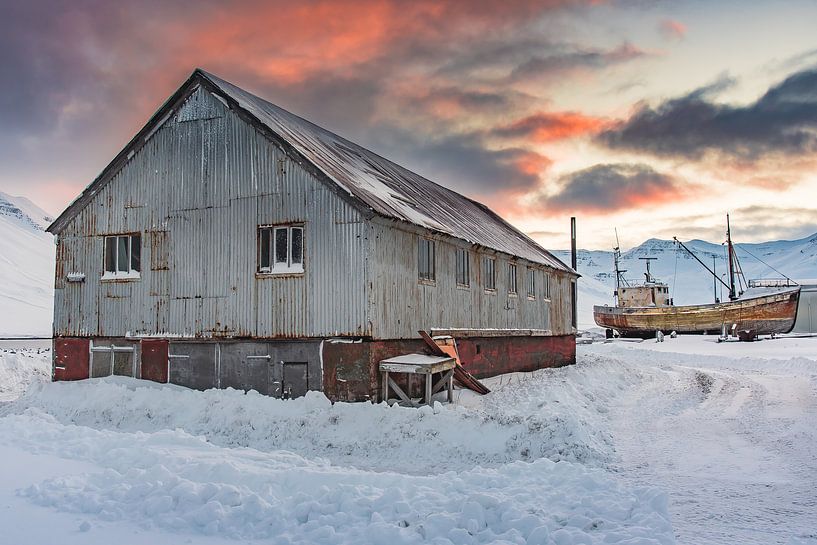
(530, 283)
(513, 280)
(489, 273)
(466, 268)
(132, 258)
(269, 248)
(546, 286)
(428, 247)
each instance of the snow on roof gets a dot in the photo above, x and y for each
(387, 188)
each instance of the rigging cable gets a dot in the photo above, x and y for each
(675, 273)
(772, 268)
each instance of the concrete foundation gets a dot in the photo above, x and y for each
(344, 369)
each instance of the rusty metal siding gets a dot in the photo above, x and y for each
(197, 191)
(400, 304)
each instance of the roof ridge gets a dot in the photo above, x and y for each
(211, 76)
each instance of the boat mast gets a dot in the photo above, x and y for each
(731, 252)
(699, 261)
(619, 272)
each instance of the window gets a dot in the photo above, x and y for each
(547, 285)
(425, 261)
(463, 268)
(531, 283)
(281, 249)
(512, 278)
(123, 256)
(489, 273)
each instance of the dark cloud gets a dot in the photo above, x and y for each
(519, 56)
(610, 187)
(782, 121)
(544, 66)
(461, 162)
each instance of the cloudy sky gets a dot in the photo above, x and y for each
(653, 117)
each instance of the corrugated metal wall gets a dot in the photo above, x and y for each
(806, 321)
(196, 191)
(400, 304)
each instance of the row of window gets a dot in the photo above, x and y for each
(426, 270)
(281, 251)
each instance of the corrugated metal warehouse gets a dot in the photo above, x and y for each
(234, 244)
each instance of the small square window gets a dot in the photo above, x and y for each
(123, 257)
(281, 249)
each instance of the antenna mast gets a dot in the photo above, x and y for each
(731, 251)
(619, 272)
(647, 274)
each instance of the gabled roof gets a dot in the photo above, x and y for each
(369, 180)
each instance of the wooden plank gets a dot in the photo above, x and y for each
(435, 349)
(385, 387)
(400, 393)
(418, 369)
(442, 381)
(468, 381)
(428, 389)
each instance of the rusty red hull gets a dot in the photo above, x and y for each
(764, 315)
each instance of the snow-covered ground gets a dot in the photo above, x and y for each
(20, 368)
(728, 430)
(706, 442)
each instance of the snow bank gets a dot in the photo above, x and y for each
(546, 414)
(20, 368)
(177, 482)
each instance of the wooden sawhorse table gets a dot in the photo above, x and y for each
(418, 364)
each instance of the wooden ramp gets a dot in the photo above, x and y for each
(463, 377)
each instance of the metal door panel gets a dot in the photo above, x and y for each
(296, 383)
(193, 365)
(245, 366)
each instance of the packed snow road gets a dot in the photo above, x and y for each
(727, 430)
(638, 443)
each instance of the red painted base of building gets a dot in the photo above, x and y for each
(351, 369)
(348, 370)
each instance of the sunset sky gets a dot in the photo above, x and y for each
(653, 117)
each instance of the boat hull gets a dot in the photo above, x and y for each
(763, 315)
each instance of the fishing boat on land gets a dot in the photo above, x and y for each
(644, 309)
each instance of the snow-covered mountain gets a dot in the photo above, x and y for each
(688, 281)
(26, 268)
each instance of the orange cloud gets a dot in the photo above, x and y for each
(546, 127)
(532, 163)
(672, 30)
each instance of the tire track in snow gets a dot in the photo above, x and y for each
(732, 446)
